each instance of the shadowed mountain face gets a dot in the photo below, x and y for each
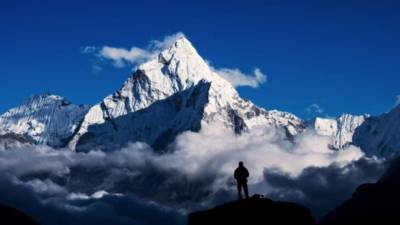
(11, 216)
(380, 135)
(377, 203)
(156, 125)
(253, 211)
(375, 135)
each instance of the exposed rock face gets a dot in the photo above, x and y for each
(253, 211)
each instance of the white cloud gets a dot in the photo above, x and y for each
(198, 170)
(218, 149)
(214, 149)
(122, 57)
(238, 78)
(314, 109)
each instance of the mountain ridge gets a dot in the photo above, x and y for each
(52, 120)
(176, 69)
(43, 119)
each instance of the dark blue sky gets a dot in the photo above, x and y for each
(341, 55)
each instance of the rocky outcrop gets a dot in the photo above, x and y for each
(253, 211)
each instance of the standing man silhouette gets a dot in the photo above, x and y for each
(241, 174)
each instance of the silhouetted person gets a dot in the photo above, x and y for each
(241, 174)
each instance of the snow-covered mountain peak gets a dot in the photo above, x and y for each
(176, 91)
(181, 47)
(47, 98)
(44, 96)
(179, 66)
(179, 69)
(44, 118)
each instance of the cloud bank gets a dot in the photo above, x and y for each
(323, 188)
(135, 185)
(52, 204)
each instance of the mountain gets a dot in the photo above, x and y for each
(42, 119)
(341, 129)
(376, 203)
(375, 135)
(380, 135)
(253, 211)
(168, 95)
(177, 91)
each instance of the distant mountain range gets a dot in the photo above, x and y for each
(171, 94)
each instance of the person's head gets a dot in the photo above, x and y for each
(240, 163)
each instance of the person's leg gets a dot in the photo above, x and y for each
(246, 190)
(239, 188)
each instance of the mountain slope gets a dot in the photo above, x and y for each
(341, 129)
(374, 203)
(380, 135)
(42, 119)
(164, 119)
(177, 68)
(375, 135)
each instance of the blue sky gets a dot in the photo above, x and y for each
(341, 55)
